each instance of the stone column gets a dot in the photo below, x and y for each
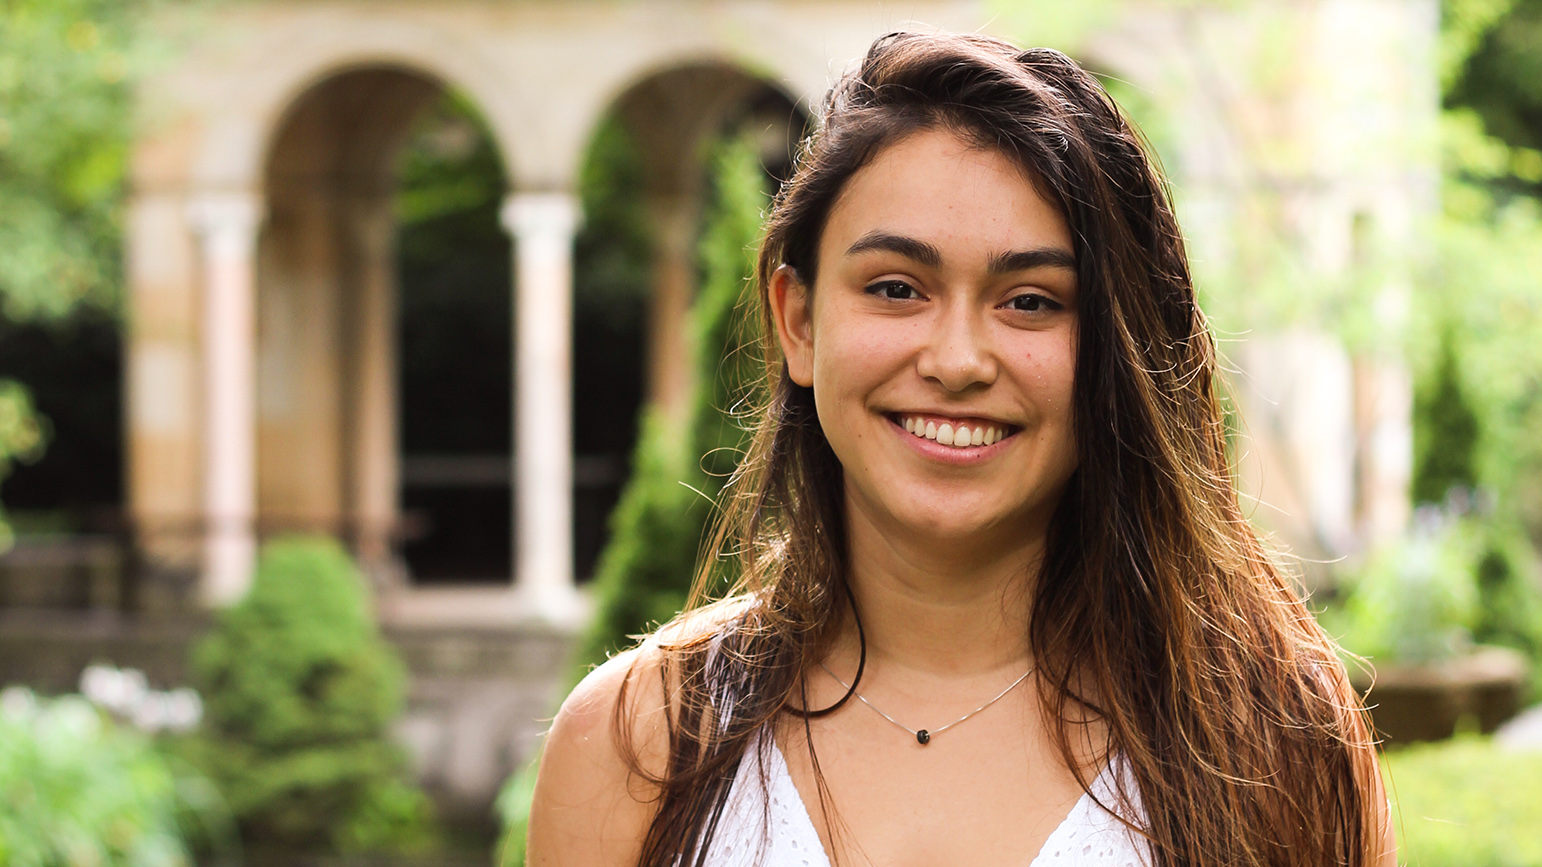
(374, 471)
(226, 225)
(674, 286)
(542, 226)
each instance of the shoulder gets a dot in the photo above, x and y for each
(590, 806)
(597, 788)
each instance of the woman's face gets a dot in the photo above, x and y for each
(940, 342)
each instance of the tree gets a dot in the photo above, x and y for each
(1482, 295)
(66, 67)
(1446, 439)
(1502, 79)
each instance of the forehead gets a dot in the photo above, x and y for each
(970, 202)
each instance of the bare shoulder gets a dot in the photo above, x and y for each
(590, 808)
(594, 794)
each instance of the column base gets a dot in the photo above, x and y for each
(559, 605)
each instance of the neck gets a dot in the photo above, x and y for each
(939, 606)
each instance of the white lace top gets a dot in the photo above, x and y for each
(752, 833)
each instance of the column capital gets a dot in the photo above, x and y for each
(225, 214)
(546, 214)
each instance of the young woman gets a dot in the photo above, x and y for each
(994, 601)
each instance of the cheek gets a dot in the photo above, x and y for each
(1049, 372)
(852, 357)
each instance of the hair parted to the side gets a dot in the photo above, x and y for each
(1157, 607)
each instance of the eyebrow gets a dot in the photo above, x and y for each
(910, 248)
(1027, 260)
(931, 257)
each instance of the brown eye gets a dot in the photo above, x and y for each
(1033, 303)
(893, 289)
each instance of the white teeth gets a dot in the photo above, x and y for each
(961, 436)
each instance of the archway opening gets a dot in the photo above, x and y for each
(455, 338)
(384, 387)
(644, 183)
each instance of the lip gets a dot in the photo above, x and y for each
(933, 450)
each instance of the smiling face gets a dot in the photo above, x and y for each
(940, 342)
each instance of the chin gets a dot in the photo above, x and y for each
(961, 524)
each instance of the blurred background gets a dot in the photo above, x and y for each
(367, 368)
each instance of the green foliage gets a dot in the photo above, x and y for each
(645, 573)
(454, 297)
(1448, 585)
(1415, 600)
(610, 273)
(514, 811)
(1483, 287)
(1510, 592)
(1501, 77)
(77, 790)
(1482, 296)
(1063, 26)
(65, 70)
(22, 437)
(611, 299)
(299, 689)
(1466, 803)
(1509, 577)
(1463, 26)
(1445, 430)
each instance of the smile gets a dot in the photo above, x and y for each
(960, 433)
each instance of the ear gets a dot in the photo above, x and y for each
(791, 310)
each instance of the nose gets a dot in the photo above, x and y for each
(957, 354)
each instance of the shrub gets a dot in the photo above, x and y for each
(1510, 595)
(1466, 803)
(1451, 583)
(78, 790)
(299, 690)
(1414, 600)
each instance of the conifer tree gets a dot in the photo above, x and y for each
(680, 466)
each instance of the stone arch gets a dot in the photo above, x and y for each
(327, 427)
(672, 112)
(235, 142)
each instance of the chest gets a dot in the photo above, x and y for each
(991, 794)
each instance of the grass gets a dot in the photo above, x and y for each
(1467, 803)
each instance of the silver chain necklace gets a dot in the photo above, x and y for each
(924, 736)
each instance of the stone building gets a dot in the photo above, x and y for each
(261, 365)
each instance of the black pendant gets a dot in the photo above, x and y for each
(923, 738)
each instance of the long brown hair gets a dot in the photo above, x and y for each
(1157, 608)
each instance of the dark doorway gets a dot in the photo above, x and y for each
(455, 350)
